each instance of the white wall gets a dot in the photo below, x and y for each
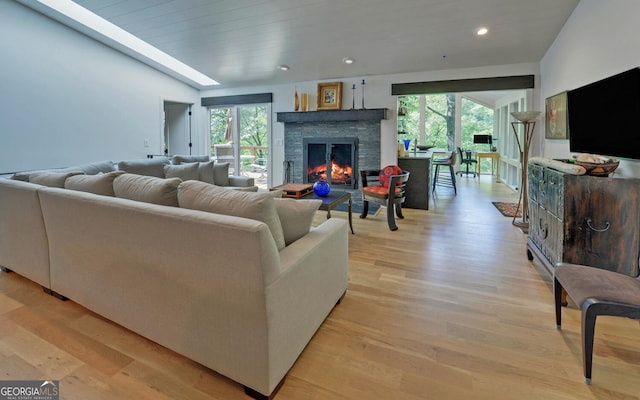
(377, 95)
(66, 99)
(600, 39)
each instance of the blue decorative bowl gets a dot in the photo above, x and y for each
(321, 188)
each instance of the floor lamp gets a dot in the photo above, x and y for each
(528, 121)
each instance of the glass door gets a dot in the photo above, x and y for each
(240, 136)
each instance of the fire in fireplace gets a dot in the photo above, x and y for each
(331, 159)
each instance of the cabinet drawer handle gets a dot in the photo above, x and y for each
(606, 228)
(544, 229)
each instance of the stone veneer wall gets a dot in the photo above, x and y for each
(367, 132)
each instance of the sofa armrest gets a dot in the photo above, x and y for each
(241, 181)
(313, 278)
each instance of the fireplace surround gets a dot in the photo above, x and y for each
(333, 159)
(361, 127)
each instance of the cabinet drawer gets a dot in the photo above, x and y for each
(535, 178)
(554, 193)
(534, 223)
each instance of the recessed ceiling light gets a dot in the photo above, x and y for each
(348, 60)
(283, 67)
(482, 31)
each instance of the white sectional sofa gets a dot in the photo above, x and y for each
(228, 291)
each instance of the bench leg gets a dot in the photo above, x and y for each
(589, 315)
(557, 294)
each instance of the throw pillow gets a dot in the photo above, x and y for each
(387, 172)
(149, 167)
(147, 188)
(221, 174)
(98, 184)
(52, 179)
(205, 172)
(258, 206)
(296, 217)
(186, 172)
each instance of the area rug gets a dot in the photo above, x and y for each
(356, 208)
(507, 209)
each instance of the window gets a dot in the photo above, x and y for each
(240, 136)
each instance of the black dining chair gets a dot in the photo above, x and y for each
(466, 161)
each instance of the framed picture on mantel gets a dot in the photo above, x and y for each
(329, 96)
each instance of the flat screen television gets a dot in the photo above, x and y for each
(604, 116)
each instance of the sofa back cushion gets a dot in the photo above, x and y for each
(178, 159)
(148, 189)
(257, 206)
(98, 184)
(89, 169)
(296, 217)
(148, 167)
(52, 179)
(186, 172)
(92, 168)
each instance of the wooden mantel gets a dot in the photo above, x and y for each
(374, 114)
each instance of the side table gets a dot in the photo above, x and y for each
(331, 201)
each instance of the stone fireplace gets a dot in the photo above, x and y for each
(335, 136)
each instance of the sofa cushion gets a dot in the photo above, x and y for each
(205, 172)
(148, 189)
(257, 206)
(98, 184)
(296, 217)
(52, 179)
(186, 172)
(92, 168)
(89, 169)
(177, 160)
(149, 166)
(221, 174)
(242, 188)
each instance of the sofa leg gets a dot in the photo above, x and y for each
(5, 269)
(259, 396)
(341, 297)
(55, 294)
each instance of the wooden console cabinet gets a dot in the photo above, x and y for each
(584, 219)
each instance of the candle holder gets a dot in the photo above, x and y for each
(363, 107)
(353, 97)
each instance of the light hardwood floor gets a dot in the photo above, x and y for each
(447, 307)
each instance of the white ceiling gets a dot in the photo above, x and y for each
(240, 42)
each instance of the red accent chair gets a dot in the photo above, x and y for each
(387, 188)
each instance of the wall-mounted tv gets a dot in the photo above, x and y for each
(604, 116)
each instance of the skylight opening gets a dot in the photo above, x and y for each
(124, 38)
